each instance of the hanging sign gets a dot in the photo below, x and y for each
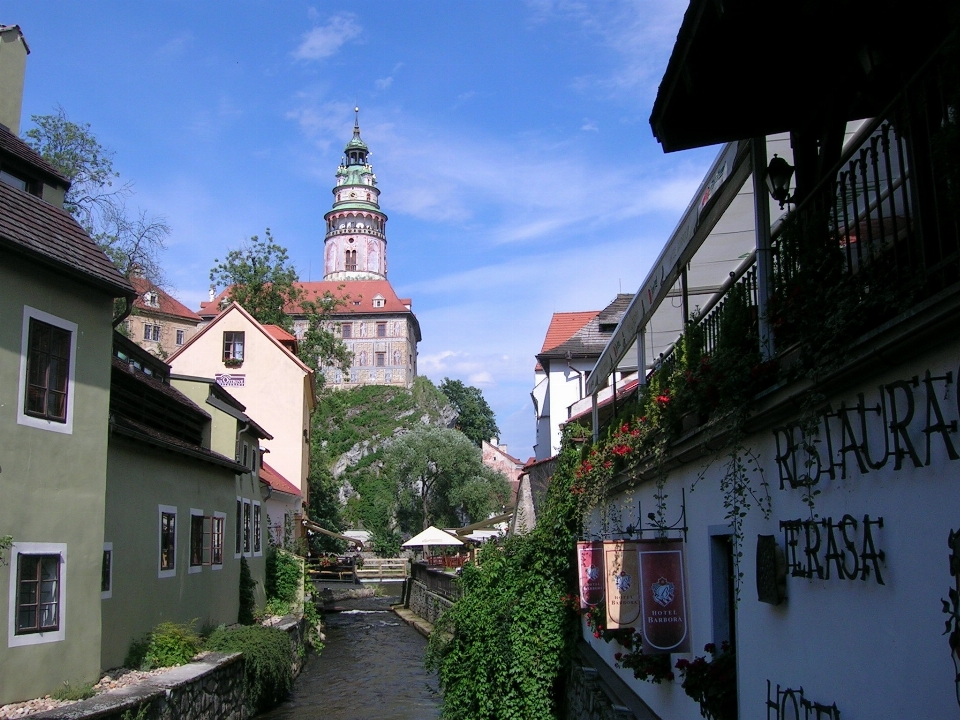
(590, 563)
(663, 596)
(622, 578)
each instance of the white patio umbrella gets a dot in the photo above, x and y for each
(432, 536)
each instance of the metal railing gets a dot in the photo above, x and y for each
(887, 214)
(436, 581)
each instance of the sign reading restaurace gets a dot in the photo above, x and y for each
(227, 380)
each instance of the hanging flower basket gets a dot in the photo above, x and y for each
(233, 362)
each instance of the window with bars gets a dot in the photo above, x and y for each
(257, 530)
(238, 549)
(246, 528)
(233, 346)
(168, 541)
(38, 594)
(48, 365)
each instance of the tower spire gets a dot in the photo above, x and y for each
(356, 121)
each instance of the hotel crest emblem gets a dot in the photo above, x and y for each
(623, 581)
(663, 592)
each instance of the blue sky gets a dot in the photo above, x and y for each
(510, 140)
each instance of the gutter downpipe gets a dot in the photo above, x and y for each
(642, 356)
(595, 417)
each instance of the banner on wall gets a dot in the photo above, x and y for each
(663, 596)
(590, 563)
(622, 583)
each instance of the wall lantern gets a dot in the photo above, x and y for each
(779, 173)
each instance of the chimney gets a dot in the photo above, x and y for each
(13, 67)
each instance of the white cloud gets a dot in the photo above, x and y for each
(591, 126)
(384, 83)
(324, 41)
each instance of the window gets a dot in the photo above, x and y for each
(232, 346)
(257, 530)
(151, 332)
(168, 541)
(378, 301)
(106, 572)
(216, 539)
(381, 329)
(246, 528)
(238, 547)
(199, 540)
(48, 364)
(180, 334)
(151, 299)
(351, 260)
(13, 180)
(381, 359)
(38, 593)
(243, 459)
(347, 329)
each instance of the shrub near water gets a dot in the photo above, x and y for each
(167, 645)
(266, 652)
(282, 582)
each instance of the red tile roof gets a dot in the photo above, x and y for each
(168, 304)
(563, 325)
(277, 481)
(359, 295)
(278, 333)
(36, 228)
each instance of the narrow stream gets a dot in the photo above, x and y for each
(371, 668)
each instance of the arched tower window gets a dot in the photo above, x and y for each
(351, 260)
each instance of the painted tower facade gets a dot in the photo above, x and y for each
(355, 247)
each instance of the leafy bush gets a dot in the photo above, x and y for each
(167, 645)
(69, 692)
(248, 605)
(266, 652)
(502, 648)
(282, 583)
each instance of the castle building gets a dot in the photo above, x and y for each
(376, 325)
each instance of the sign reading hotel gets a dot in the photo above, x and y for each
(227, 380)
(663, 596)
(590, 563)
(622, 580)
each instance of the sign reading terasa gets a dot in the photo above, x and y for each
(590, 563)
(646, 587)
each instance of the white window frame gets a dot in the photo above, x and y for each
(256, 537)
(223, 541)
(170, 509)
(191, 568)
(246, 533)
(238, 529)
(107, 594)
(71, 327)
(28, 548)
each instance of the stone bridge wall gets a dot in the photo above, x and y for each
(425, 603)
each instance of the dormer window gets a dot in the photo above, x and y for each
(12, 180)
(151, 299)
(378, 301)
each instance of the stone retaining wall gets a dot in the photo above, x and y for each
(424, 603)
(595, 692)
(207, 689)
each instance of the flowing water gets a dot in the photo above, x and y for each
(371, 668)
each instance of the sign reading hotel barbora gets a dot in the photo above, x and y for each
(663, 597)
(590, 562)
(622, 577)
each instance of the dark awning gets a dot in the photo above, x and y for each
(749, 68)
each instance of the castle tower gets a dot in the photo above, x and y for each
(355, 247)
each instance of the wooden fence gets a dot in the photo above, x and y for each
(384, 569)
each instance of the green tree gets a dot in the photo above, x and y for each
(476, 419)
(133, 240)
(260, 276)
(442, 479)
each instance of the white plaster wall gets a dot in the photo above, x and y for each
(877, 651)
(565, 388)
(276, 390)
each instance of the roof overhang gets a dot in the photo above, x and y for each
(749, 68)
(726, 177)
